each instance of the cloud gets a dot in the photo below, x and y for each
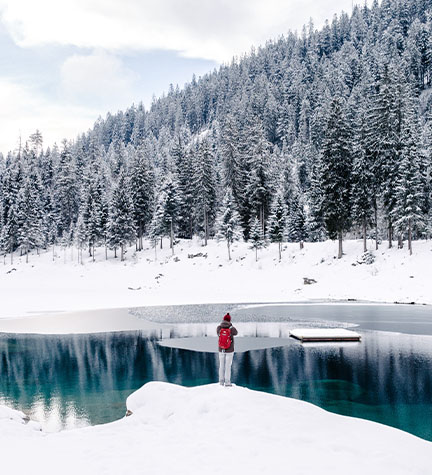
(97, 79)
(208, 29)
(23, 110)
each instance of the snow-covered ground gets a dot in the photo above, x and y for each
(213, 430)
(46, 286)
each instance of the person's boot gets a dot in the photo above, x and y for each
(228, 384)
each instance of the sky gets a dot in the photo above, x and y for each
(64, 63)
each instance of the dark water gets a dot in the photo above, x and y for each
(67, 381)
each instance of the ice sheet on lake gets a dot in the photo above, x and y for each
(209, 344)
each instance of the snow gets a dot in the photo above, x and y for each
(185, 430)
(180, 430)
(43, 286)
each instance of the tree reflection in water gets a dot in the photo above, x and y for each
(72, 380)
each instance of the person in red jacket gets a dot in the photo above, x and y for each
(226, 333)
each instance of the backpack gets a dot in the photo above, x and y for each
(225, 338)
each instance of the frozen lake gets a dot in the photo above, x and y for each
(66, 381)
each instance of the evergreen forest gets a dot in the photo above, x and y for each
(322, 134)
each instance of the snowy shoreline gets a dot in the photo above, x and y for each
(173, 428)
(198, 275)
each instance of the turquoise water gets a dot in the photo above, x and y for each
(69, 381)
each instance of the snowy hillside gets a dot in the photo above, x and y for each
(188, 431)
(197, 274)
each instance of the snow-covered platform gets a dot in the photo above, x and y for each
(324, 334)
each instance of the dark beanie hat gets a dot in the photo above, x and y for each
(227, 317)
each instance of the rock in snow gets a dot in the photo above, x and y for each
(211, 429)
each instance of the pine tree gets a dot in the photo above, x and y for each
(228, 222)
(408, 212)
(277, 221)
(258, 187)
(204, 184)
(66, 189)
(121, 226)
(184, 166)
(80, 237)
(364, 181)
(336, 173)
(256, 239)
(142, 185)
(296, 219)
(315, 225)
(93, 216)
(29, 217)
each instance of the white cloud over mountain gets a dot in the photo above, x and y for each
(209, 29)
(97, 79)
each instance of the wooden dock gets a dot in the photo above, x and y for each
(324, 334)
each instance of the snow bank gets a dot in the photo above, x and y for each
(198, 274)
(10, 418)
(324, 334)
(192, 430)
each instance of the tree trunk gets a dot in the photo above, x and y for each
(93, 253)
(340, 252)
(256, 254)
(115, 253)
(376, 225)
(27, 255)
(53, 254)
(390, 234)
(400, 241)
(364, 235)
(229, 250)
(280, 250)
(172, 238)
(122, 252)
(301, 244)
(205, 227)
(161, 242)
(409, 237)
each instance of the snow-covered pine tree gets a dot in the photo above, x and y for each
(259, 185)
(228, 222)
(204, 184)
(256, 238)
(277, 221)
(166, 214)
(296, 219)
(364, 180)
(29, 217)
(66, 194)
(121, 225)
(80, 237)
(408, 213)
(315, 225)
(142, 186)
(384, 134)
(183, 160)
(92, 215)
(4, 245)
(336, 173)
